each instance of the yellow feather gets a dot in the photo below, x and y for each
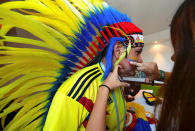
(26, 70)
(60, 26)
(89, 5)
(28, 117)
(38, 98)
(17, 73)
(24, 41)
(30, 52)
(27, 5)
(16, 104)
(3, 121)
(3, 106)
(4, 29)
(37, 1)
(51, 21)
(27, 67)
(35, 125)
(36, 59)
(57, 11)
(74, 10)
(66, 9)
(55, 18)
(34, 116)
(97, 3)
(20, 91)
(20, 81)
(47, 34)
(79, 4)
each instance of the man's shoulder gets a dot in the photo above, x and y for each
(86, 70)
(79, 83)
(81, 77)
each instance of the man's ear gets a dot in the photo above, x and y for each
(118, 50)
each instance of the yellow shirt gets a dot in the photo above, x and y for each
(72, 104)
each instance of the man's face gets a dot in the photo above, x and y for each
(127, 69)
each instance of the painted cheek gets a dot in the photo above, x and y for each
(132, 59)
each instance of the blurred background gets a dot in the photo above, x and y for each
(154, 18)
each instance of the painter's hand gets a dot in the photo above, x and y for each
(113, 79)
(150, 69)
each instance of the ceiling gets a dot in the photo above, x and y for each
(150, 15)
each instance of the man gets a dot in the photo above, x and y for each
(73, 102)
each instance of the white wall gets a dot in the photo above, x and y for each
(160, 52)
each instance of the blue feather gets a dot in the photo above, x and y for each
(106, 17)
(94, 21)
(82, 39)
(90, 29)
(71, 57)
(112, 11)
(85, 33)
(117, 15)
(48, 105)
(75, 51)
(109, 13)
(68, 63)
(79, 45)
(57, 84)
(100, 18)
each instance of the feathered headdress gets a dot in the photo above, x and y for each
(66, 36)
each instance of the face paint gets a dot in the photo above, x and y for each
(133, 59)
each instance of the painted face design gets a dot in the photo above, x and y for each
(133, 59)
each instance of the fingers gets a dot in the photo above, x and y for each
(125, 84)
(135, 64)
(116, 68)
(140, 66)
